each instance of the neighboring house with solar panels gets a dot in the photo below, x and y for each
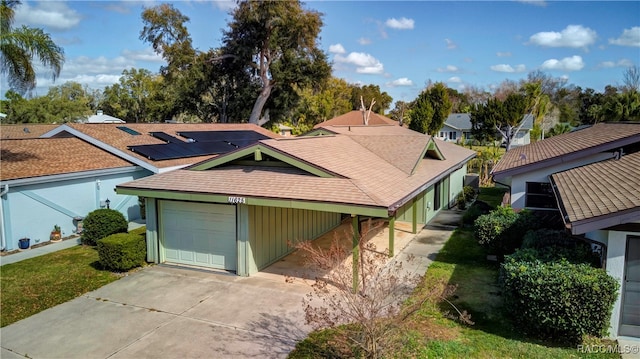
(458, 126)
(591, 177)
(55, 174)
(256, 201)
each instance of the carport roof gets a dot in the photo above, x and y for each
(368, 167)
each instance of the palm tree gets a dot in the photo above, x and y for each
(18, 48)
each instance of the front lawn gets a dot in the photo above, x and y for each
(39, 283)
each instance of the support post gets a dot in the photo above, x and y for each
(355, 222)
(392, 234)
(414, 221)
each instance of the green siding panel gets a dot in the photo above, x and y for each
(271, 231)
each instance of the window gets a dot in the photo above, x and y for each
(540, 195)
(441, 134)
(436, 196)
(453, 135)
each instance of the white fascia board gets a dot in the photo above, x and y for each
(125, 156)
(69, 176)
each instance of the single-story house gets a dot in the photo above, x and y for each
(242, 211)
(354, 118)
(72, 169)
(100, 117)
(592, 177)
(458, 126)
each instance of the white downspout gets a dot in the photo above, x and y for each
(3, 242)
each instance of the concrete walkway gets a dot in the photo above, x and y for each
(52, 247)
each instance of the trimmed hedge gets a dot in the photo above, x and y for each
(558, 300)
(101, 223)
(122, 251)
(548, 245)
(502, 230)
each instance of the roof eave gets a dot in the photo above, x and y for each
(565, 158)
(605, 221)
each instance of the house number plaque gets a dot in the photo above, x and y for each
(237, 200)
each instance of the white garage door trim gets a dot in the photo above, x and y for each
(199, 234)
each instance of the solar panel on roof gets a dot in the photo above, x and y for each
(228, 136)
(165, 137)
(128, 130)
(182, 150)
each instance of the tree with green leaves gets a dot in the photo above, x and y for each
(275, 42)
(502, 117)
(18, 47)
(421, 113)
(539, 104)
(136, 97)
(369, 93)
(431, 109)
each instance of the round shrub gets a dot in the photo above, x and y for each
(101, 223)
(461, 201)
(122, 251)
(558, 300)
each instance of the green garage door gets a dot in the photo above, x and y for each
(199, 234)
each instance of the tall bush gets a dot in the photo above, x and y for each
(502, 230)
(101, 223)
(550, 245)
(558, 300)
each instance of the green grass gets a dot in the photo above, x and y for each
(35, 284)
(491, 195)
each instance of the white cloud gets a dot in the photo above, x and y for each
(54, 15)
(403, 81)
(619, 63)
(364, 41)
(503, 54)
(450, 44)
(365, 63)
(509, 68)
(575, 36)
(629, 37)
(400, 24)
(337, 49)
(455, 79)
(540, 3)
(143, 55)
(573, 63)
(449, 68)
(224, 5)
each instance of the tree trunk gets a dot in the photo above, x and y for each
(259, 105)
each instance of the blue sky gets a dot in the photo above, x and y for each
(398, 45)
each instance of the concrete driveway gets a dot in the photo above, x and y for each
(167, 312)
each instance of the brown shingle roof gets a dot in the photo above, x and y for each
(24, 130)
(109, 134)
(599, 189)
(51, 156)
(368, 178)
(599, 137)
(354, 118)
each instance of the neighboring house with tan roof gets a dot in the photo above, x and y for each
(458, 126)
(592, 176)
(72, 169)
(355, 118)
(241, 211)
(47, 182)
